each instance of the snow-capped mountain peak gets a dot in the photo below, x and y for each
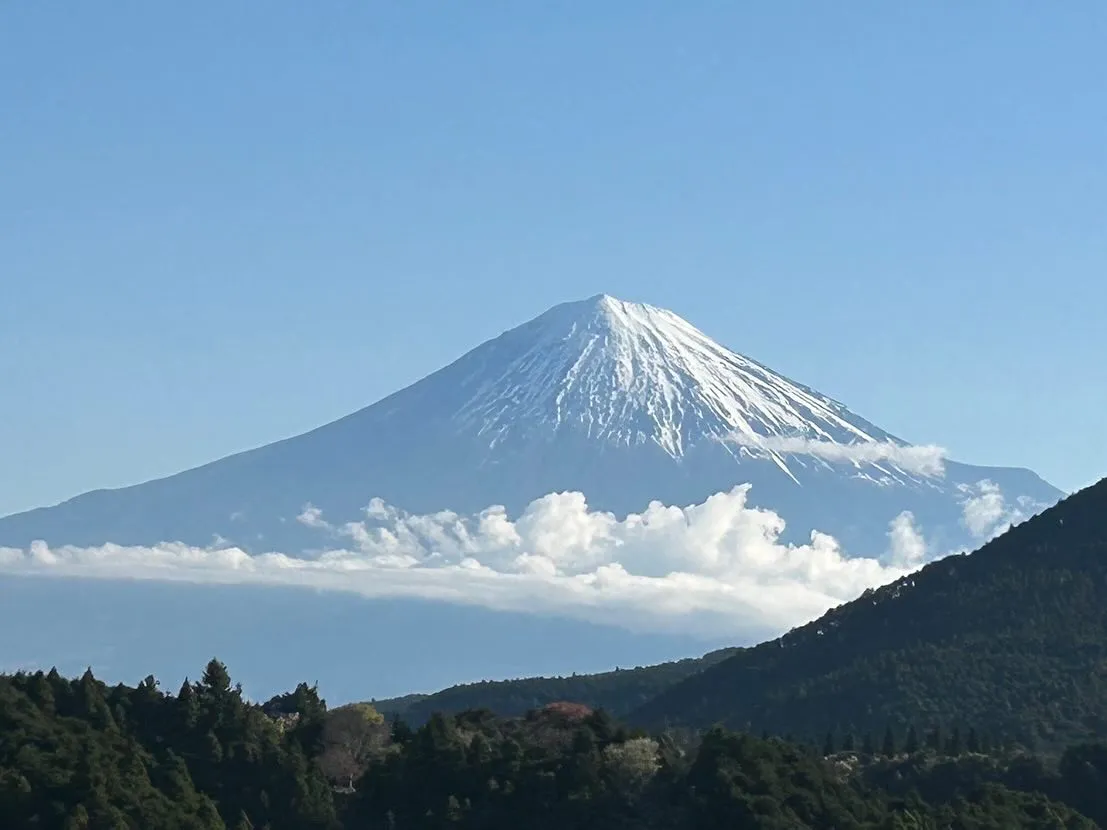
(631, 373)
(623, 402)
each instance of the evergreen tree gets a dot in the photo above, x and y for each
(90, 702)
(41, 691)
(216, 679)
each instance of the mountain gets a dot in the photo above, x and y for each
(1011, 639)
(617, 692)
(624, 402)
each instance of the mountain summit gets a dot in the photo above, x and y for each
(628, 374)
(624, 402)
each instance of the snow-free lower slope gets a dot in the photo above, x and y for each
(624, 402)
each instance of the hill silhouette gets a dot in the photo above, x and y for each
(1011, 638)
(618, 692)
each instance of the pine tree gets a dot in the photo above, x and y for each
(91, 704)
(39, 689)
(188, 706)
(828, 744)
(216, 680)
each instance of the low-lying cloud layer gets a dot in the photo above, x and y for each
(717, 567)
(926, 460)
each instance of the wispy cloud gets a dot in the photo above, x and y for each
(927, 460)
(986, 513)
(716, 567)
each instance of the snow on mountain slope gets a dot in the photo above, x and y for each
(631, 373)
(624, 402)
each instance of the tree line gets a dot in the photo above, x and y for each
(77, 753)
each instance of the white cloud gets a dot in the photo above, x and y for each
(717, 567)
(907, 547)
(311, 516)
(986, 512)
(927, 460)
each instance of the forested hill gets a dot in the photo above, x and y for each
(1012, 638)
(79, 755)
(618, 692)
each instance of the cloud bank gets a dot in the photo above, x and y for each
(716, 568)
(926, 460)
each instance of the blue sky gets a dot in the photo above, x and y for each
(223, 226)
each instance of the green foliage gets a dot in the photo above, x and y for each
(78, 754)
(1007, 784)
(546, 771)
(66, 762)
(352, 737)
(1011, 639)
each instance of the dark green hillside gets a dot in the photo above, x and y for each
(78, 755)
(618, 692)
(566, 768)
(1011, 638)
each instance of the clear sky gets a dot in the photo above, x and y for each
(226, 223)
